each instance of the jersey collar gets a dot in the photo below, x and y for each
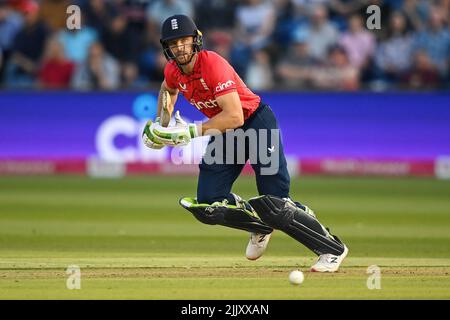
(196, 72)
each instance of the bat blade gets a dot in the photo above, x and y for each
(165, 112)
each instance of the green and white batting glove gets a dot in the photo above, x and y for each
(149, 139)
(178, 135)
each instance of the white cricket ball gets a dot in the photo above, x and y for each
(296, 277)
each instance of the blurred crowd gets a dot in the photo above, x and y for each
(272, 44)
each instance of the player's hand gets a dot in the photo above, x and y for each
(178, 135)
(149, 139)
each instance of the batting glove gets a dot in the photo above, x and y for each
(149, 139)
(178, 135)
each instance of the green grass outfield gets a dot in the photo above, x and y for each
(132, 240)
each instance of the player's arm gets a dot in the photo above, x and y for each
(231, 117)
(166, 101)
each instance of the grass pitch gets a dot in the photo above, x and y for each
(132, 240)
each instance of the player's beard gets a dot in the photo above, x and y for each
(186, 57)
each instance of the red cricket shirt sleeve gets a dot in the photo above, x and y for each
(220, 75)
(169, 75)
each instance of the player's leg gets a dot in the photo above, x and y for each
(277, 210)
(215, 204)
(300, 223)
(216, 177)
(266, 154)
(222, 213)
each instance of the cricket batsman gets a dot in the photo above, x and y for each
(242, 127)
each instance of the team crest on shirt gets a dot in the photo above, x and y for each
(182, 86)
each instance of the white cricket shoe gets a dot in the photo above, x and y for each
(329, 262)
(257, 245)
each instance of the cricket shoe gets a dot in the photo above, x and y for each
(329, 262)
(257, 245)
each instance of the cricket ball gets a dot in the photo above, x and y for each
(296, 277)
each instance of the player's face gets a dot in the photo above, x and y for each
(182, 49)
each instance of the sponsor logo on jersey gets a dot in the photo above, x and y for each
(204, 104)
(182, 86)
(223, 86)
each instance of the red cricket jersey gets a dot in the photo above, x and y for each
(212, 77)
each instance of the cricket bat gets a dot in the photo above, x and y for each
(165, 112)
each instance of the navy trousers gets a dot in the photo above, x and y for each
(216, 179)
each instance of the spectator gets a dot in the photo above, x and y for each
(285, 22)
(10, 25)
(254, 26)
(321, 33)
(416, 12)
(337, 73)
(259, 73)
(216, 15)
(306, 7)
(347, 8)
(53, 12)
(56, 71)
(151, 61)
(435, 41)
(77, 42)
(121, 43)
(390, 64)
(423, 74)
(160, 61)
(394, 5)
(294, 70)
(28, 47)
(255, 23)
(160, 10)
(339, 10)
(358, 42)
(135, 11)
(98, 14)
(99, 72)
(220, 42)
(443, 6)
(269, 42)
